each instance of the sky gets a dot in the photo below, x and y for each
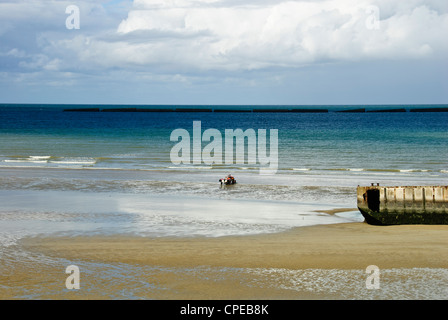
(224, 52)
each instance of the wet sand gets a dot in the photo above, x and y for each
(204, 268)
(335, 211)
(338, 246)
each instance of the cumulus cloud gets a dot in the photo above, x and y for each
(33, 35)
(232, 35)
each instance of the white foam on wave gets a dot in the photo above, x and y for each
(24, 161)
(40, 157)
(78, 162)
(29, 159)
(196, 168)
(52, 160)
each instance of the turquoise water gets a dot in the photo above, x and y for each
(44, 136)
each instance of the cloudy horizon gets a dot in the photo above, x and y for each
(224, 52)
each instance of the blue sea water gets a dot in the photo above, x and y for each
(45, 136)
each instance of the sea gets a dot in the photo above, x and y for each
(115, 169)
(316, 162)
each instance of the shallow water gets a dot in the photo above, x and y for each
(29, 213)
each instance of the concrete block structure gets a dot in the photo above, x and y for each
(382, 205)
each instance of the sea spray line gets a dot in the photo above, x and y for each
(212, 153)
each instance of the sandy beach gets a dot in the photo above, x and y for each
(216, 268)
(342, 246)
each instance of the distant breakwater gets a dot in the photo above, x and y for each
(258, 110)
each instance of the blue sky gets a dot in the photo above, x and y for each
(224, 52)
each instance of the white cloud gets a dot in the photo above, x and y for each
(176, 36)
(286, 33)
